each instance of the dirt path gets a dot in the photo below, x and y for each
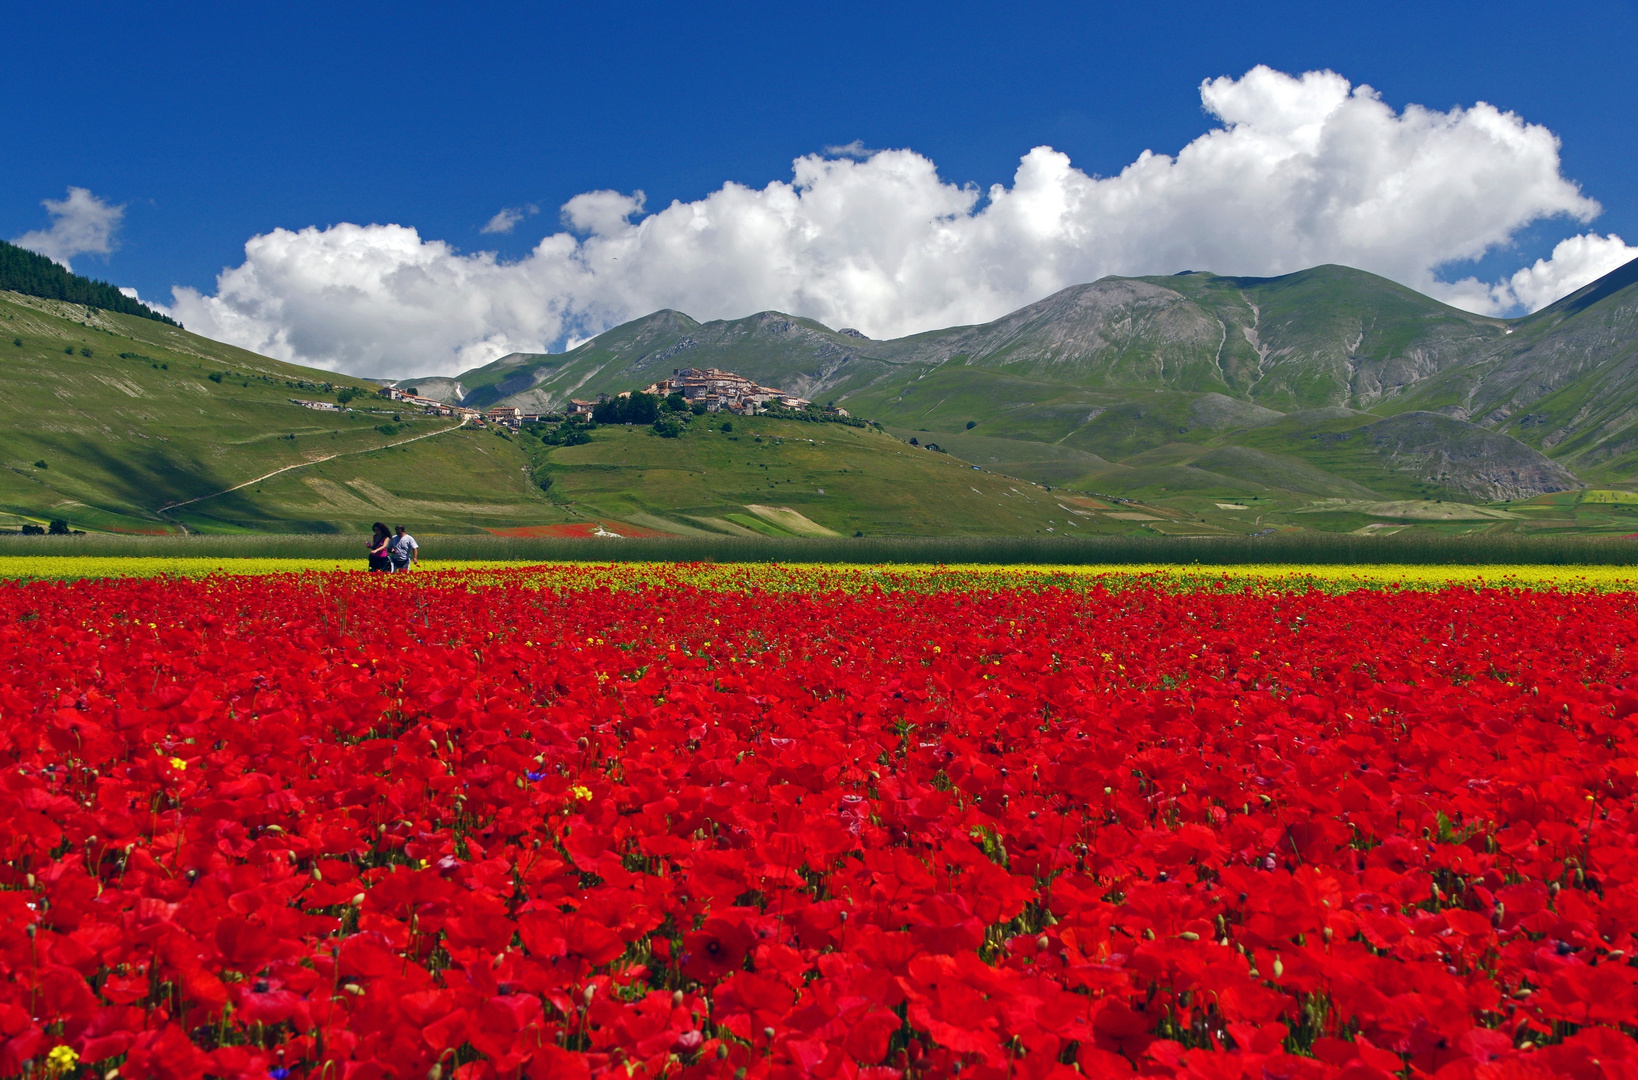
(303, 464)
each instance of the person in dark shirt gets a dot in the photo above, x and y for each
(380, 542)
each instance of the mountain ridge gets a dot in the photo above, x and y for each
(1553, 395)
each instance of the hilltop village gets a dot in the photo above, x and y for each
(702, 390)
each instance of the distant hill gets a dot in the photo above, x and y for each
(119, 423)
(35, 275)
(1331, 379)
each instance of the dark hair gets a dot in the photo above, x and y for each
(380, 529)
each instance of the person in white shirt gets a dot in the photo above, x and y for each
(403, 551)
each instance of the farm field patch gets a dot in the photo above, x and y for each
(773, 821)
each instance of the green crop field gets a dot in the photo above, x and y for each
(841, 479)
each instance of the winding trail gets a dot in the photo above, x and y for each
(303, 464)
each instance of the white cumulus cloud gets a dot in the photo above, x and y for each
(81, 224)
(1575, 261)
(1299, 170)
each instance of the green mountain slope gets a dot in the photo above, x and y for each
(25, 272)
(1291, 382)
(120, 423)
(116, 422)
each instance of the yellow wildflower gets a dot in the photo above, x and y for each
(61, 1060)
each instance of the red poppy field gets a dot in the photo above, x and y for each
(494, 825)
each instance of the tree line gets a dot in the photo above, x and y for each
(35, 275)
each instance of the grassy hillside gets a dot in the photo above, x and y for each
(121, 423)
(117, 423)
(785, 478)
(25, 272)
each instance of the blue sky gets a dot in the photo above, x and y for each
(212, 124)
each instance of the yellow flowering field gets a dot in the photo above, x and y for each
(853, 577)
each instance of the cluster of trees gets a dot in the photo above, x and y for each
(813, 414)
(58, 527)
(566, 433)
(35, 275)
(668, 415)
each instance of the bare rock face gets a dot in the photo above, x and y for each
(438, 388)
(1460, 456)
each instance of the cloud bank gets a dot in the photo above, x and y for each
(81, 224)
(1299, 170)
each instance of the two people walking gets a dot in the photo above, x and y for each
(393, 553)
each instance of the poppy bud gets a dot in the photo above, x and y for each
(676, 999)
(1327, 935)
(1042, 942)
(584, 743)
(1189, 935)
(30, 879)
(589, 993)
(316, 876)
(354, 989)
(1279, 968)
(357, 900)
(722, 1051)
(768, 1033)
(436, 1072)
